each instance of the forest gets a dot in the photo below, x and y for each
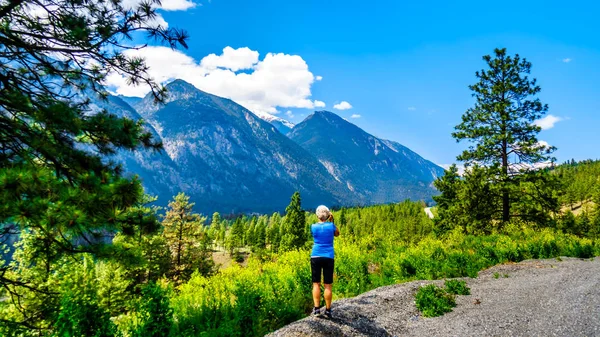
(166, 283)
(86, 253)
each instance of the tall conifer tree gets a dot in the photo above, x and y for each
(501, 126)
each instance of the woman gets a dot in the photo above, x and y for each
(321, 258)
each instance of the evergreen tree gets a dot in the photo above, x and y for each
(156, 314)
(236, 235)
(222, 234)
(342, 220)
(447, 201)
(293, 228)
(113, 287)
(81, 313)
(186, 239)
(478, 200)
(54, 183)
(274, 232)
(249, 233)
(260, 233)
(215, 226)
(501, 124)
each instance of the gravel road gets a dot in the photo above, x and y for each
(530, 298)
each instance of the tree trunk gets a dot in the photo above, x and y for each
(505, 196)
(179, 242)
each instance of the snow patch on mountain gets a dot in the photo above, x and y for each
(270, 118)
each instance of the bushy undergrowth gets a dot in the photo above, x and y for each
(274, 289)
(262, 297)
(457, 287)
(434, 301)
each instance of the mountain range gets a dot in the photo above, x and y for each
(230, 160)
(377, 170)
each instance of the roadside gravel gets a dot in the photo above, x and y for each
(530, 298)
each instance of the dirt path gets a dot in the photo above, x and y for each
(531, 298)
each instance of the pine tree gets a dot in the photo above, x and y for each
(236, 235)
(342, 220)
(447, 201)
(54, 183)
(222, 236)
(293, 229)
(250, 239)
(274, 232)
(260, 233)
(501, 124)
(183, 231)
(477, 202)
(215, 226)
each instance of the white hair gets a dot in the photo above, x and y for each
(323, 213)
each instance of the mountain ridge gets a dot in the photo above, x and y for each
(379, 170)
(232, 157)
(231, 160)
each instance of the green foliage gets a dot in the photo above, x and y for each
(155, 313)
(457, 287)
(235, 238)
(293, 229)
(186, 239)
(274, 232)
(448, 202)
(260, 233)
(216, 305)
(501, 126)
(56, 184)
(433, 301)
(391, 244)
(113, 287)
(81, 312)
(580, 181)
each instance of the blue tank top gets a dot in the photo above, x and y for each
(323, 239)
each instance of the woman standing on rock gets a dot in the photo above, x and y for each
(322, 258)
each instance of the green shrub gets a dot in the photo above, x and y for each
(433, 301)
(457, 287)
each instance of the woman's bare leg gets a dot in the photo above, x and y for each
(317, 294)
(328, 296)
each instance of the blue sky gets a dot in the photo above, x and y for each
(403, 67)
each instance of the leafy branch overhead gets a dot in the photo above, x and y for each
(56, 182)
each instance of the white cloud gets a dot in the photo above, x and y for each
(232, 59)
(278, 80)
(460, 167)
(319, 78)
(567, 60)
(290, 114)
(343, 106)
(319, 104)
(355, 116)
(543, 143)
(176, 5)
(167, 5)
(411, 108)
(548, 122)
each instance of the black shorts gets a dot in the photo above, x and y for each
(321, 263)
